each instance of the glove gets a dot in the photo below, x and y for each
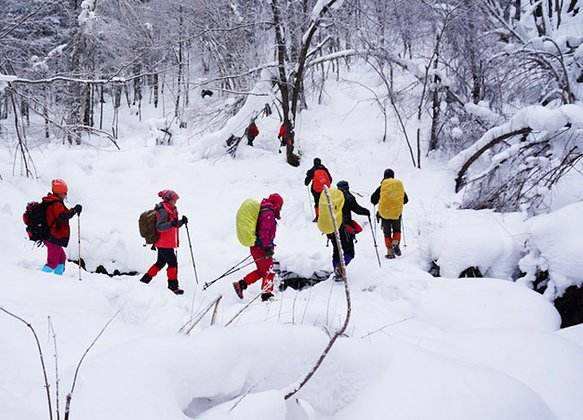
(184, 220)
(269, 252)
(367, 212)
(174, 223)
(78, 208)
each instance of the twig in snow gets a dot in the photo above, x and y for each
(40, 353)
(243, 309)
(57, 376)
(87, 350)
(342, 329)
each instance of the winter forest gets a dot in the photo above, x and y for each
(291, 209)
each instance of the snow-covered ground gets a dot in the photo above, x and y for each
(416, 347)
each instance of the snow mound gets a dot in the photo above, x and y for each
(423, 385)
(555, 245)
(483, 239)
(469, 304)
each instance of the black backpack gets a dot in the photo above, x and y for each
(35, 219)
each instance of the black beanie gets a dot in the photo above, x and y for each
(317, 161)
(389, 173)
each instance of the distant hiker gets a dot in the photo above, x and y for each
(256, 228)
(390, 196)
(319, 176)
(348, 228)
(251, 132)
(285, 135)
(167, 224)
(53, 223)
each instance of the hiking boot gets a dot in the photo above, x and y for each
(47, 269)
(173, 286)
(397, 250)
(266, 296)
(315, 220)
(239, 286)
(338, 274)
(146, 278)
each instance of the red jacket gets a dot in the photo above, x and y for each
(282, 131)
(165, 216)
(252, 130)
(57, 220)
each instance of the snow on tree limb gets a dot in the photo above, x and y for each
(527, 120)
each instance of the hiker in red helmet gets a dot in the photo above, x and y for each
(167, 225)
(262, 251)
(320, 177)
(57, 219)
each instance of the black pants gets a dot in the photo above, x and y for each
(390, 227)
(316, 196)
(347, 243)
(166, 256)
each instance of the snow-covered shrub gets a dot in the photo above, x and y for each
(554, 247)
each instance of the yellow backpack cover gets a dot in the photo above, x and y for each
(247, 222)
(392, 198)
(325, 223)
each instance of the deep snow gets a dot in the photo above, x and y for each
(416, 347)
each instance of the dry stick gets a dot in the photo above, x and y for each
(87, 350)
(79, 242)
(243, 309)
(216, 310)
(199, 317)
(57, 377)
(194, 268)
(40, 353)
(342, 329)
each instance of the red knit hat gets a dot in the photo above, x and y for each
(168, 195)
(59, 186)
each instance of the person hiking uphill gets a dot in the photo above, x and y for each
(263, 249)
(59, 232)
(347, 230)
(319, 176)
(251, 132)
(390, 196)
(167, 226)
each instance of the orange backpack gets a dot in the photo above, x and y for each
(320, 180)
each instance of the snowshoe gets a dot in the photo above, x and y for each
(390, 256)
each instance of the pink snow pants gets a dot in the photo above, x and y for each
(55, 255)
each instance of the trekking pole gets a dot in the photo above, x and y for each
(403, 231)
(230, 271)
(79, 242)
(191, 253)
(374, 239)
(310, 200)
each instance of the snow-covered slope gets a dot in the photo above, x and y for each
(416, 347)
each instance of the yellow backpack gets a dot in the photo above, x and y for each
(247, 222)
(392, 199)
(325, 223)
